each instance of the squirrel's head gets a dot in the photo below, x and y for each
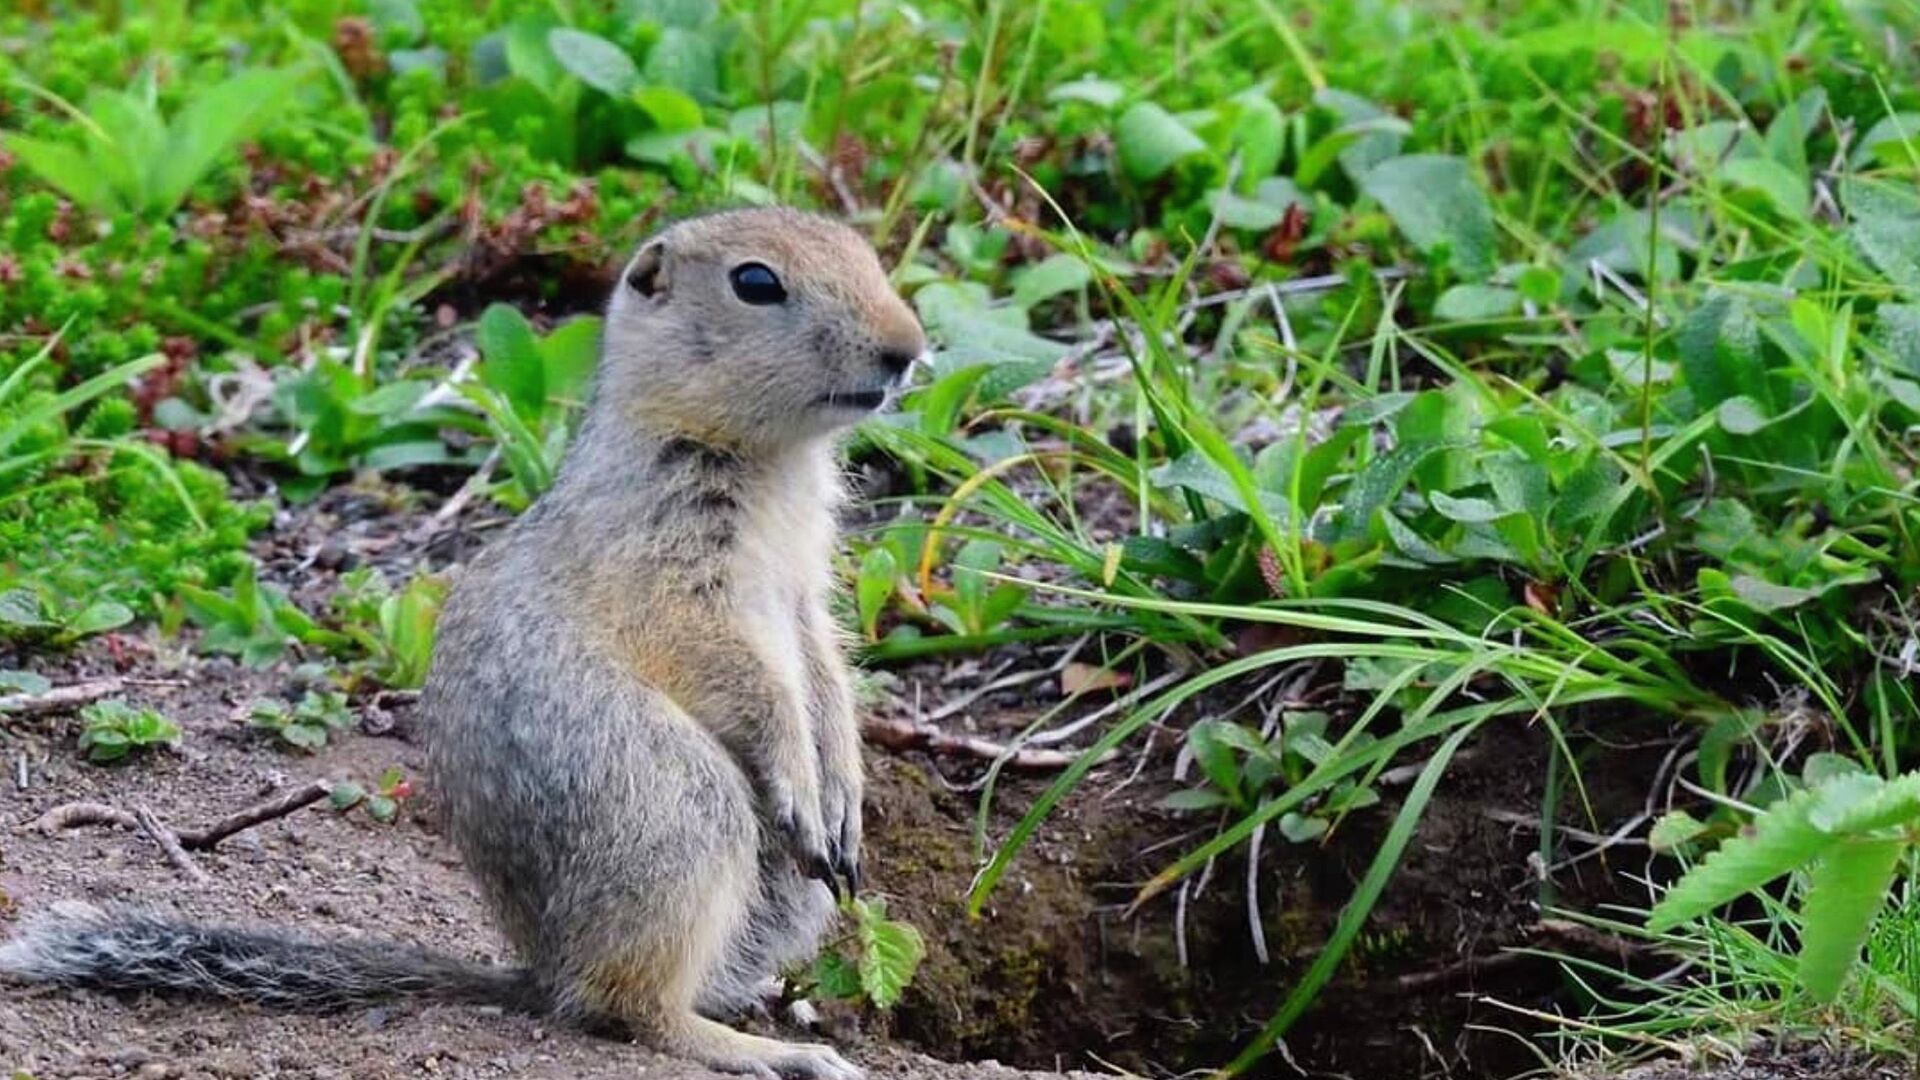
(764, 327)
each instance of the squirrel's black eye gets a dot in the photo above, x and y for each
(754, 283)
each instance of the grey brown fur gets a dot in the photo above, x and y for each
(639, 714)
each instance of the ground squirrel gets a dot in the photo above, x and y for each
(639, 716)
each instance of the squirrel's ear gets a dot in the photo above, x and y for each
(647, 274)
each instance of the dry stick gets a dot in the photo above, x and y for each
(279, 806)
(906, 735)
(170, 845)
(61, 698)
(74, 814)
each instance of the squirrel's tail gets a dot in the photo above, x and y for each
(80, 945)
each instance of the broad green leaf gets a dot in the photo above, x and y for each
(594, 60)
(1193, 799)
(398, 21)
(1469, 511)
(1435, 202)
(1886, 228)
(100, 617)
(1897, 330)
(23, 682)
(1789, 192)
(1763, 595)
(1476, 303)
(671, 109)
(1258, 138)
(1783, 838)
(1100, 93)
(686, 61)
(1048, 278)
(1300, 828)
(531, 58)
(137, 141)
(1719, 347)
(1893, 142)
(1151, 141)
(568, 355)
(1845, 889)
(22, 608)
(1367, 136)
(510, 358)
(1379, 483)
(1741, 416)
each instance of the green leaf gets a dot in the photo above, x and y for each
(1193, 799)
(1301, 828)
(398, 21)
(1845, 889)
(890, 952)
(1673, 829)
(1466, 511)
(1435, 202)
(1862, 802)
(1048, 278)
(304, 736)
(1886, 228)
(1782, 839)
(1100, 93)
(212, 127)
(1763, 595)
(98, 617)
(594, 60)
(1150, 141)
(65, 169)
(1789, 192)
(346, 795)
(1476, 303)
(1719, 347)
(879, 572)
(672, 110)
(686, 61)
(1741, 416)
(836, 977)
(1379, 483)
(510, 358)
(23, 682)
(1894, 142)
(1367, 136)
(1259, 137)
(22, 608)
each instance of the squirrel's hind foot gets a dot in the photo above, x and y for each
(721, 1048)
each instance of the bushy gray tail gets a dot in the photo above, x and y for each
(80, 945)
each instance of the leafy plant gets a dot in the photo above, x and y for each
(873, 962)
(307, 725)
(394, 631)
(381, 804)
(254, 622)
(1846, 836)
(531, 389)
(115, 730)
(119, 153)
(26, 612)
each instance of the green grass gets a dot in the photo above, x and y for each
(1522, 361)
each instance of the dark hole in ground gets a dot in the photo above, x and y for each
(1053, 972)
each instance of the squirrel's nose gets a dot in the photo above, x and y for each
(897, 360)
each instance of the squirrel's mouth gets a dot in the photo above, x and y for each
(864, 400)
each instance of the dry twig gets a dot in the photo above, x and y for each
(905, 735)
(169, 845)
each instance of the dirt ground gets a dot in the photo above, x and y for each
(1053, 975)
(317, 869)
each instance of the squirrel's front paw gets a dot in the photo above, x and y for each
(840, 810)
(796, 813)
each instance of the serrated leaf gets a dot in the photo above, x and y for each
(1781, 840)
(836, 977)
(890, 952)
(594, 60)
(1436, 203)
(1844, 891)
(1862, 802)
